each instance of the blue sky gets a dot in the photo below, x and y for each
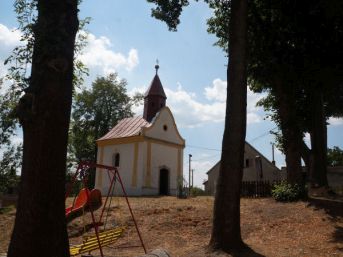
(124, 38)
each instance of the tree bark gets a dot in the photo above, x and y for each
(318, 140)
(291, 133)
(44, 113)
(226, 233)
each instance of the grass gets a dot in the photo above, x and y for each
(183, 227)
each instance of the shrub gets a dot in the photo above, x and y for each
(196, 191)
(285, 192)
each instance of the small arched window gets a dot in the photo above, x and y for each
(116, 159)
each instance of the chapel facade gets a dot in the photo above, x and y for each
(148, 149)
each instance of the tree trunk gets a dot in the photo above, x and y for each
(318, 140)
(291, 133)
(44, 113)
(226, 233)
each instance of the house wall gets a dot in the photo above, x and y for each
(250, 172)
(212, 180)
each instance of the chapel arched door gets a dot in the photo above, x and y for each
(164, 182)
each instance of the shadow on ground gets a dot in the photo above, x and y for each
(205, 252)
(333, 208)
(246, 252)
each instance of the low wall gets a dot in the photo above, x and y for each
(335, 177)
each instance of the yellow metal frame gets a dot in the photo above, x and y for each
(91, 243)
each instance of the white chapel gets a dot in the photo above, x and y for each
(148, 149)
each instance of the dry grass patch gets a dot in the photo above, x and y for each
(183, 227)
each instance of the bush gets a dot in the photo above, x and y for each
(285, 192)
(196, 191)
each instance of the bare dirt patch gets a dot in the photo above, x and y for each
(183, 227)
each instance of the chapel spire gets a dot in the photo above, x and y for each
(154, 98)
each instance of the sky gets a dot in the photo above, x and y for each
(124, 38)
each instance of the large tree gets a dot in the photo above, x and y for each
(95, 112)
(44, 113)
(301, 72)
(14, 83)
(226, 233)
(232, 20)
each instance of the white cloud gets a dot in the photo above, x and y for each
(217, 91)
(335, 121)
(99, 54)
(9, 37)
(3, 70)
(190, 112)
(200, 169)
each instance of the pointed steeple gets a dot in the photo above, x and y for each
(154, 98)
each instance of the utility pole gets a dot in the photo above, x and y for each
(189, 175)
(273, 160)
(192, 178)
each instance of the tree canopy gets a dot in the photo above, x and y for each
(95, 112)
(335, 156)
(9, 165)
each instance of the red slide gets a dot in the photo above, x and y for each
(81, 203)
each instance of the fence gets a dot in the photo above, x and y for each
(256, 188)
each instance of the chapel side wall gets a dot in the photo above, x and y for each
(141, 166)
(162, 156)
(125, 169)
(98, 176)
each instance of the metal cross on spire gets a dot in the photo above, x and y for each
(157, 66)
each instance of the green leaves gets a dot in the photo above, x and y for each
(284, 192)
(218, 24)
(168, 11)
(335, 156)
(96, 111)
(19, 62)
(9, 164)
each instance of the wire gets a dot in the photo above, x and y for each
(219, 150)
(204, 148)
(206, 157)
(262, 135)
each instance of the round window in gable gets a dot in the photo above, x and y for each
(165, 127)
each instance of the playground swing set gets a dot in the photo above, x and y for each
(90, 201)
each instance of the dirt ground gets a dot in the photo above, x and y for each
(183, 227)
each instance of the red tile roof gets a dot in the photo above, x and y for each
(127, 127)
